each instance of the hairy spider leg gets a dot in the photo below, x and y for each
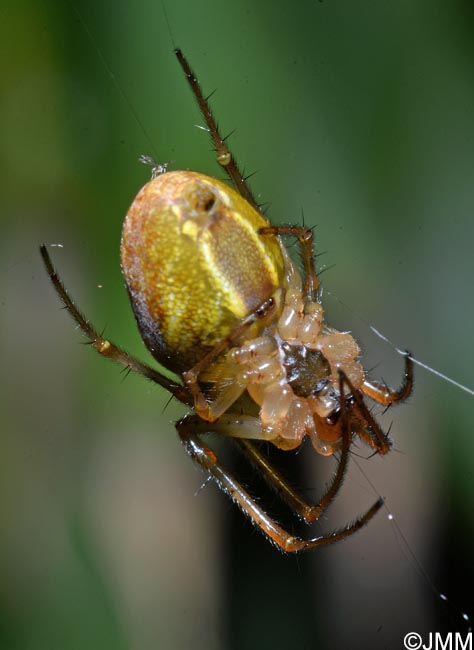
(369, 429)
(381, 393)
(227, 160)
(308, 511)
(286, 542)
(244, 429)
(305, 237)
(211, 411)
(224, 155)
(105, 347)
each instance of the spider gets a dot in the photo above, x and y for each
(219, 302)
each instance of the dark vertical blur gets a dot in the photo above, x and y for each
(358, 114)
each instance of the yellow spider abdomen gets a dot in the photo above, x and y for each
(195, 264)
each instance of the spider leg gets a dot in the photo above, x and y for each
(210, 411)
(106, 347)
(306, 239)
(207, 459)
(386, 396)
(308, 511)
(245, 429)
(364, 431)
(368, 427)
(224, 155)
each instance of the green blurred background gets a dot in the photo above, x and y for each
(360, 114)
